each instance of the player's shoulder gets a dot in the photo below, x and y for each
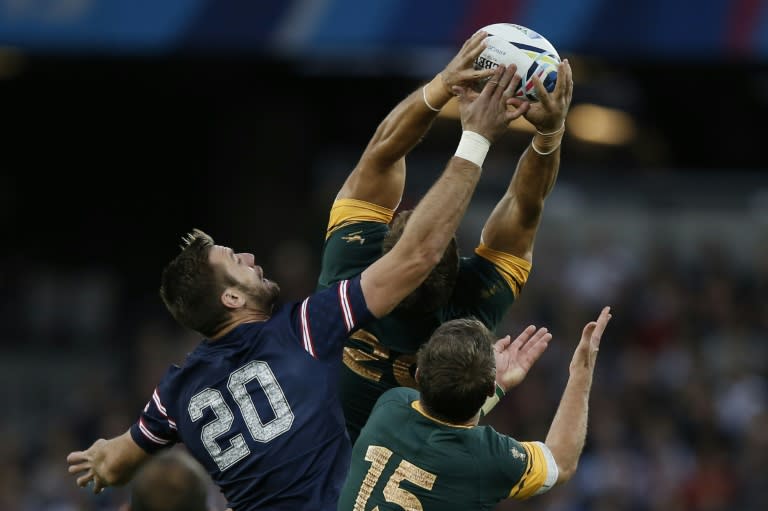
(397, 395)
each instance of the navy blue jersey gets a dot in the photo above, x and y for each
(259, 408)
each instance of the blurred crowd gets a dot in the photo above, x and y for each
(679, 408)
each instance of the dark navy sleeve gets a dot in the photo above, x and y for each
(155, 429)
(326, 318)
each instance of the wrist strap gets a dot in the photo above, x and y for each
(547, 143)
(426, 102)
(473, 147)
(492, 401)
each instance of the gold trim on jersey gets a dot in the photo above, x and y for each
(515, 270)
(416, 405)
(349, 211)
(535, 473)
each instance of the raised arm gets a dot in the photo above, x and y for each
(107, 462)
(569, 427)
(379, 176)
(511, 227)
(434, 221)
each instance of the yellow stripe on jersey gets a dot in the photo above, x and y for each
(515, 270)
(535, 474)
(347, 211)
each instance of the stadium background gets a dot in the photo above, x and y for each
(125, 124)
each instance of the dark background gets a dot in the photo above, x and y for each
(113, 148)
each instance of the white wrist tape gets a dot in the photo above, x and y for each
(492, 401)
(473, 147)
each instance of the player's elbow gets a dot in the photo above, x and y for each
(566, 459)
(566, 471)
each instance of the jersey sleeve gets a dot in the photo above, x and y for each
(325, 319)
(539, 473)
(356, 231)
(481, 291)
(514, 270)
(347, 211)
(155, 429)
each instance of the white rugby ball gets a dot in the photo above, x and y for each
(533, 54)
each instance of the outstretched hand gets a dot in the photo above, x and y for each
(460, 71)
(549, 113)
(585, 356)
(86, 463)
(487, 114)
(515, 358)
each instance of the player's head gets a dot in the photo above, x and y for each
(457, 370)
(436, 290)
(206, 284)
(170, 481)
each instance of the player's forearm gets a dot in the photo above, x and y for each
(568, 431)
(121, 460)
(533, 180)
(408, 122)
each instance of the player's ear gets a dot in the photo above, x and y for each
(232, 298)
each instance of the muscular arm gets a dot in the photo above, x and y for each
(432, 225)
(379, 176)
(512, 226)
(107, 462)
(568, 431)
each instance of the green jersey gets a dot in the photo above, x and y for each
(383, 355)
(405, 459)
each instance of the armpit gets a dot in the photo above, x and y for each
(347, 211)
(513, 269)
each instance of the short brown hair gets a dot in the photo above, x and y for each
(191, 286)
(457, 369)
(437, 289)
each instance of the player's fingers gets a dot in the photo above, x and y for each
(474, 47)
(502, 344)
(523, 337)
(514, 84)
(539, 335)
(518, 112)
(471, 75)
(84, 479)
(569, 82)
(537, 346)
(541, 91)
(76, 457)
(79, 467)
(459, 91)
(562, 79)
(490, 86)
(98, 485)
(505, 79)
(600, 324)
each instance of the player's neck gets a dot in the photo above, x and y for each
(421, 408)
(250, 316)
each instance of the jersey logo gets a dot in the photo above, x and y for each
(352, 237)
(517, 454)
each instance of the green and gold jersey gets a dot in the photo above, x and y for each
(383, 355)
(405, 459)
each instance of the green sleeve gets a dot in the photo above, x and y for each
(349, 250)
(481, 292)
